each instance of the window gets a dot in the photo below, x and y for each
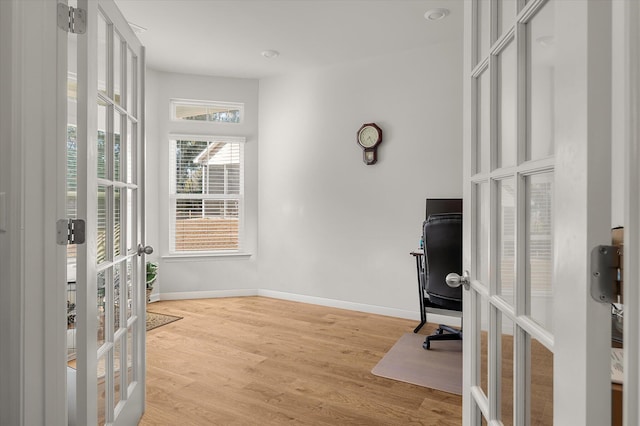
(206, 194)
(217, 112)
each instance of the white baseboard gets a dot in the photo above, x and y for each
(213, 294)
(341, 304)
(333, 303)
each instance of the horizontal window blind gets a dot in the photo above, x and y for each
(206, 194)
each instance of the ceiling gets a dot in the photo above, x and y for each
(226, 37)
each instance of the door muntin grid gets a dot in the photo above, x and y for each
(511, 164)
(119, 289)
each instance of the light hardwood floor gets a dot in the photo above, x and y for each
(261, 361)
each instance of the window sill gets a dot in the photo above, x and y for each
(204, 256)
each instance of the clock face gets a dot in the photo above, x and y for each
(368, 136)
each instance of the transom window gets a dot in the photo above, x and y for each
(217, 112)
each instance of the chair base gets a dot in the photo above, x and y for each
(452, 334)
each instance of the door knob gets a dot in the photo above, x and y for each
(454, 280)
(144, 249)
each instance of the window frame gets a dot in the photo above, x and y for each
(173, 196)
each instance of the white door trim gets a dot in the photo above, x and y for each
(631, 394)
(35, 390)
(469, 308)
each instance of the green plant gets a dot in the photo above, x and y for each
(152, 274)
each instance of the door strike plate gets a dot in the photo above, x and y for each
(605, 261)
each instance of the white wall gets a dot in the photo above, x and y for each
(330, 226)
(204, 275)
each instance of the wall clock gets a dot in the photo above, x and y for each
(369, 137)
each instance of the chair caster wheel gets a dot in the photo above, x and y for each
(426, 345)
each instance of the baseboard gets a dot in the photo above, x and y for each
(341, 304)
(332, 303)
(212, 294)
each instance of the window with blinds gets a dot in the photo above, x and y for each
(206, 194)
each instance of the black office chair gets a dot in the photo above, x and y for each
(442, 234)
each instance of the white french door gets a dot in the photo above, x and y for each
(109, 304)
(536, 193)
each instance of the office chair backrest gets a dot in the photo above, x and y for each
(442, 234)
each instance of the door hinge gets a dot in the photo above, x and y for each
(605, 271)
(71, 19)
(70, 231)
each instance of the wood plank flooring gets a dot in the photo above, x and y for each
(261, 361)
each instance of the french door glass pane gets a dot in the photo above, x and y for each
(541, 84)
(117, 146)
(102, 391)
(539, 252)
(130, 150)
(507, 15)
(129, 225)
(102, 224)
(129, 291)
(506, 239)
(117, 277)
(102, 55)
(507, 106)
(129, 80)
(117, 221)
(484, 28)
(506, 380)
(130, 356)
(541, 384)
(117, 373)
(482, 233)
(117, 68)
(483, 123)
(102, 141)
(484, 345)
(101, 301)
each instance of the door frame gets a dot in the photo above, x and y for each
(631, 390)
(32, 315)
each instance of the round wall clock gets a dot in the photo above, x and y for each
(369, 137)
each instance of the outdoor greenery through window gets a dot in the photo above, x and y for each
(206, 194)
(220, 112)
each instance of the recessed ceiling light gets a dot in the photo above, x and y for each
(270, 54)
(436, 14)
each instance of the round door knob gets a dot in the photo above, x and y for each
(144, 249)
(454, 280)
